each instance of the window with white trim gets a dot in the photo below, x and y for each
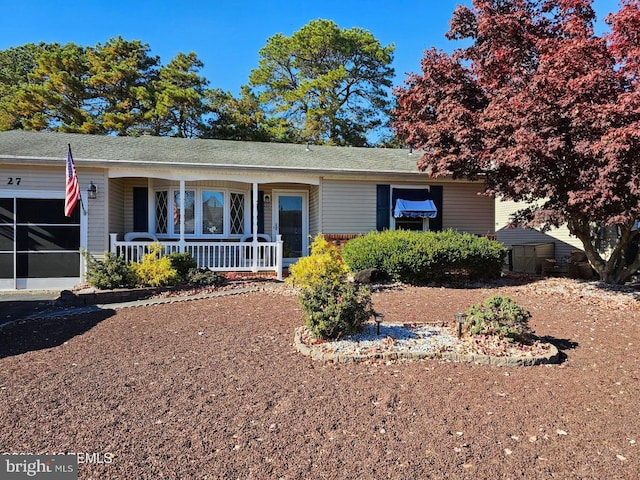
(409, 193)
(207, 212)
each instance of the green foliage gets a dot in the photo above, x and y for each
(121, 73)
(330, 84)
(501, 317)
(333, 306)
(203, 277)
(155, 270)
(179, 98)
(418, 257)
(324, 265)
(335, 311)
(183, 263)
(111, 272)
(241, 118)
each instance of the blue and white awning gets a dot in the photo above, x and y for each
(415, 209)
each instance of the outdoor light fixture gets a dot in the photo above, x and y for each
(460, 319)
(92, 191)
(379, 318)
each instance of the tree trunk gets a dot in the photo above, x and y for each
(616, 269)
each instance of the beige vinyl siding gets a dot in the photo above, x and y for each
(97, 234)
(465, 210)
(36, 178)
(564, 242)
(348, 207)
(116, 206)
(314, 211)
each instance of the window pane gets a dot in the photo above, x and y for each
(237, 213)
(42, 265)
(161, 212)
(6, 210)
(189, 211)
(6, 238)
(406, 223)
(6, 265)
(212, 212)
(44, 210)
(45, 237)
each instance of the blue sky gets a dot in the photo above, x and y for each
(227, 35)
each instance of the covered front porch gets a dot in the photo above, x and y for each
(225, 225)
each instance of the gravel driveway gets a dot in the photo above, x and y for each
(215, 389)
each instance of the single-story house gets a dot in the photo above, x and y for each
(235, 206)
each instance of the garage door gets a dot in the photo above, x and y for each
(39, 246)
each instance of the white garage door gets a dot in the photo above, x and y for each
(39, 246)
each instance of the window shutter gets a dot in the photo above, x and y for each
(383, 206)
(140, 209)
(435, 224)
(260, 211)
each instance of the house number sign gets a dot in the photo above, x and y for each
(13, 180)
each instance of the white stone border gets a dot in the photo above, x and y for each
(552, 356)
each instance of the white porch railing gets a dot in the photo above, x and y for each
(247, 256)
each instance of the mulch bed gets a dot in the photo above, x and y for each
(215, 389)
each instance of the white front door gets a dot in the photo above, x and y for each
(290, 219)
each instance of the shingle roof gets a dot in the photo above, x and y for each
(149, 150)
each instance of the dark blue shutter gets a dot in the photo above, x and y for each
(260, 212)
(435, 224)
(383, 206)
(140, 209)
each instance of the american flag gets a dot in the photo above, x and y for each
(73, 189)
(176, 211)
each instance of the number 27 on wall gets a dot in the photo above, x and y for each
(13, 180)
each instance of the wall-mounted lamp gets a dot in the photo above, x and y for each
(92, 191)
(266, 198)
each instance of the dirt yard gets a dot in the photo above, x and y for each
(214, 389)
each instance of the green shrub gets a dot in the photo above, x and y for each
(501, 317)
(182, 263)
(333, 307)
(324, 265)
(418, 257)
(111, 272)
(203, 277)
(155, 270)
(333, 312)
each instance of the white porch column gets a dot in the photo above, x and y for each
(182, 199)
(254, 214)
(254, 227)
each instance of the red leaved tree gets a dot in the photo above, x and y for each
(543, 109)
